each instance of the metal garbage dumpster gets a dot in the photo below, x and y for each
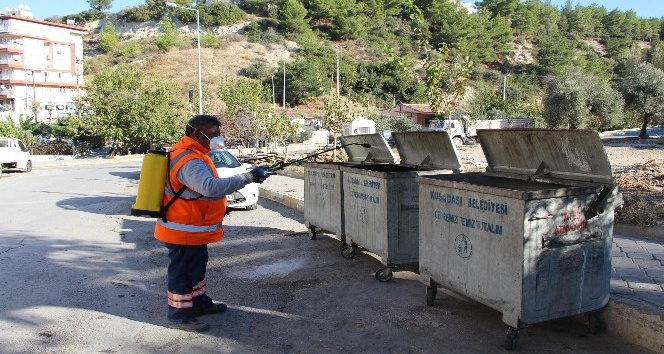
(323, 191)
(532, 236)
(381, 201)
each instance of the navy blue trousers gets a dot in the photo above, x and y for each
(186, 281)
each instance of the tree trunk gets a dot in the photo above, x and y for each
(643, 134)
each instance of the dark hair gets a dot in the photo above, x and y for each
(199, 122)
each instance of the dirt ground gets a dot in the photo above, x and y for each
(638, 167)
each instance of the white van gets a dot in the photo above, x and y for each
(14, 155)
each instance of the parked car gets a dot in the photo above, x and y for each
(14, 155)
(227, 165)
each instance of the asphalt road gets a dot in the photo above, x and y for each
(80, 275)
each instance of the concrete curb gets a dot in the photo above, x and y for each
(639, 231)
(281, 198)
(634, 325)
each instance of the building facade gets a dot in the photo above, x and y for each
(41, 67)
(418, 113)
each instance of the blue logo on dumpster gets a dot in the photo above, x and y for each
(462, 246)
(364, 217)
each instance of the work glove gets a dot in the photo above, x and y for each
(260, 174)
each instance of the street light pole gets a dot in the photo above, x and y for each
(283, 96)
(198, 45)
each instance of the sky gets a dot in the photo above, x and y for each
(46, 8)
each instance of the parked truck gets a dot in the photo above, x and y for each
(14, 155)
(463, 129)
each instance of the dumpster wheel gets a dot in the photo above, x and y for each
(384, 274)
(431, 295)
(312, 232)
(347, 251)
(510, 340)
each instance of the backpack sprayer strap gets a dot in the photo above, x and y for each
(170, 202)
(177, 195)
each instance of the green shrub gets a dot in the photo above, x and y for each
(209, 40)
(109, 39)
(169, 36)
(258, 69)
(221, 14)
(85, 16)
(142, 13)
(130, 49)
(7, 128)
(269, 36)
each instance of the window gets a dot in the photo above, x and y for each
(223, 158)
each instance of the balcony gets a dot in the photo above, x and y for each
(11, 46)
(6, 92)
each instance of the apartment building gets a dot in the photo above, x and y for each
(41, 66)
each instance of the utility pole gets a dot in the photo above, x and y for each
(338, 55)
(274, 104)
(504, 87)
(198, 45)
(338, 50)
(283, 99)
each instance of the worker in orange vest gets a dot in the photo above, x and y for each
(193, 220)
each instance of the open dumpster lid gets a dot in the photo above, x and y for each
(379, 152)
(576, 155)
(429, 149)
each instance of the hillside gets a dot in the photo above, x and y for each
(180, 64)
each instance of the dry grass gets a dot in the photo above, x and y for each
(640, 212)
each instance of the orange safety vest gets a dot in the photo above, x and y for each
(192, 219)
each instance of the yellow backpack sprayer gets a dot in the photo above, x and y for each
(151, 184)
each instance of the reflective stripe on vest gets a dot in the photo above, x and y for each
(188, 228)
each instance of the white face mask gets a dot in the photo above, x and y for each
(217, 143)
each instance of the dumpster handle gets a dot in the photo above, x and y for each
(535, 217)
(553, 243)
(542, 170)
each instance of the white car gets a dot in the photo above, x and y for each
(227, 165)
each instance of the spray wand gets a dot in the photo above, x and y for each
(281, 165)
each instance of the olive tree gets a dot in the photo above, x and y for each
(643, 90)
(447, 77)
(245, 99)
(337, 111)
(577, 100)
